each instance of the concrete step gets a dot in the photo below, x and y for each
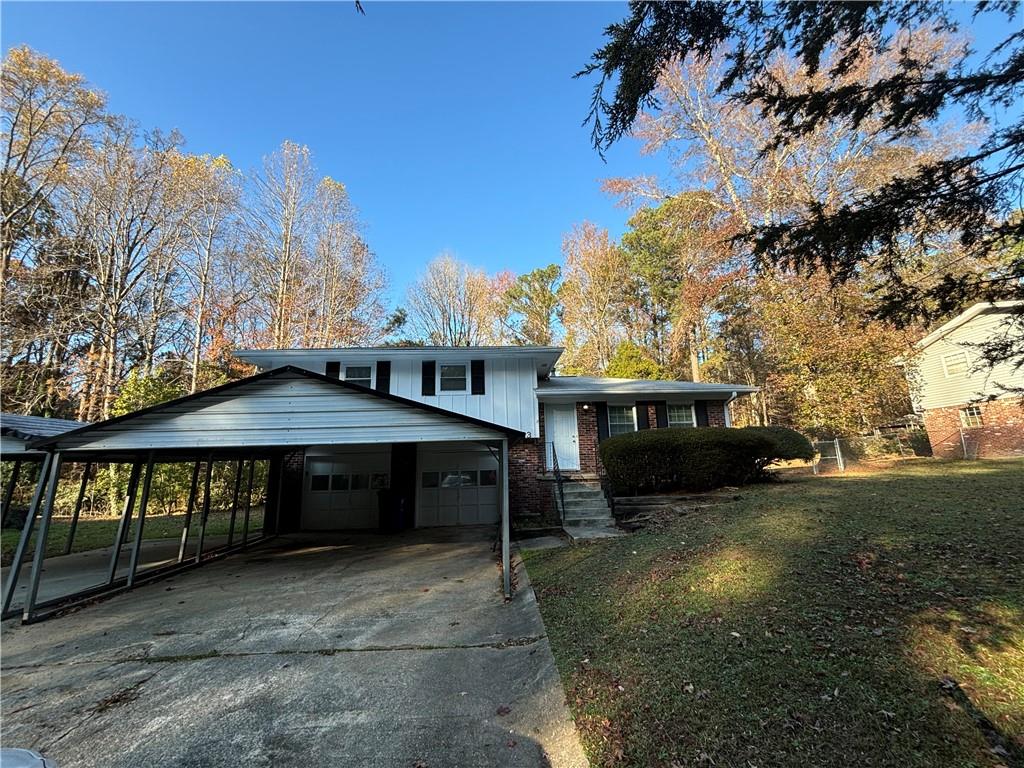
(590, 521)
(587, 510)
(583, 492)
(578, 533)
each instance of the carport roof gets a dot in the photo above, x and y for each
(289, 372)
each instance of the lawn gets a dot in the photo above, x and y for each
(862, 620)
(95, 533)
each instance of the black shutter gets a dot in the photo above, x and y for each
(429, 373)
(642, 419)
(383, 376)
(661, 414)
(701, 407)
(476, 368)
(602, 420)
(333, 369)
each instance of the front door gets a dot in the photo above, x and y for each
(560, 425)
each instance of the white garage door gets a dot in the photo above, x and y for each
(341, 490)
(457, 488)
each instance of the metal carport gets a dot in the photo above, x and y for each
(266, 416)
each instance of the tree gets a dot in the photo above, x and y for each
(277, 218)
(973, 192)
(48, 121)
(592, 298)
(533, 303)
(631, 361)
(451, 304)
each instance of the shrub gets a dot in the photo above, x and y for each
(683, 458)
(787, 444)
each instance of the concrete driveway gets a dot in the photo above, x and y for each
(351, 651)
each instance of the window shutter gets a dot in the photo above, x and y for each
(642, 419)
(701, 409)
(602, 420)
(333, 369)
(661, 414)
(429, 376)
(383, 383)
(476, 368)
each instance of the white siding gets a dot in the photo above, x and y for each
(285, 410)
(937, 390)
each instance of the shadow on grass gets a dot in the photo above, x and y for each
(814, 621)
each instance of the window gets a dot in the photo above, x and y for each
(358, 374)
(681, 416)
(971, 416)
(453, 378)
(488, 477)
(956, 364)
(339, 482)
(430, 479)
(621, 419)
(456, 479)
(319, 482)
(360, 482)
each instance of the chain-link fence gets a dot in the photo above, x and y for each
(840, 453)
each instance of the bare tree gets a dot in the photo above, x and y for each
(451, 304)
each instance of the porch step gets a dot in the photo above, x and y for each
(590, 521)
(586, 507)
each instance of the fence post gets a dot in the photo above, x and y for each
(839, 456)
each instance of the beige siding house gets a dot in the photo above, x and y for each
(969, 408)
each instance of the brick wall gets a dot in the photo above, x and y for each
(716, 413)
(586, 426)
(1002, 432)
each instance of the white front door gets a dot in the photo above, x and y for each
(560, 425)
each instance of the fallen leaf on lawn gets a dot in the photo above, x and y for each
(503, 710)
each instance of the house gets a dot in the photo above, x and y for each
(392, 438)
(970, 409)
(560, 419)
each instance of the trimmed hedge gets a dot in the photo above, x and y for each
(684, 458)
(787, 444)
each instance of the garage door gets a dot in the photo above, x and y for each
(341, 490)
(457, 488)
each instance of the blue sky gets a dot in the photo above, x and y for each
(455, 126)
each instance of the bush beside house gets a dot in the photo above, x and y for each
(696, 459)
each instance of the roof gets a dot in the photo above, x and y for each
(546, 357)
(593, 385)
(964, 317)
(34, 427)
(291, 371)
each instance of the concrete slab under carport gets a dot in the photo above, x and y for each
(311, 650)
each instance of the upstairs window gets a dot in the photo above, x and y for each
(621, 419)
(453, 378)
(971, 416)
(681, 416)
(358, 374)
(955, 364)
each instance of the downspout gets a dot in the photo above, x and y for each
(725, 409)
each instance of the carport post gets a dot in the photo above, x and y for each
(78, 507)
(234, 501)
(506, 566)
(122, 527)
(206, 506)
(44, 528)
(9, 490)
(26, 534)
(188, 511)
(143, 503)
(248, 504)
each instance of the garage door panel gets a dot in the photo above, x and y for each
(457, 488)
(341, 491)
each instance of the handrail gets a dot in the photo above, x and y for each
(558, 481)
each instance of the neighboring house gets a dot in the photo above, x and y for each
(970, 410)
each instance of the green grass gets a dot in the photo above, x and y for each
(865, 620)
(96, 533)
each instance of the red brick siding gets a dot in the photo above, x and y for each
(652, 415)
(1002, 432)
(586, 426)
(716, 413)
